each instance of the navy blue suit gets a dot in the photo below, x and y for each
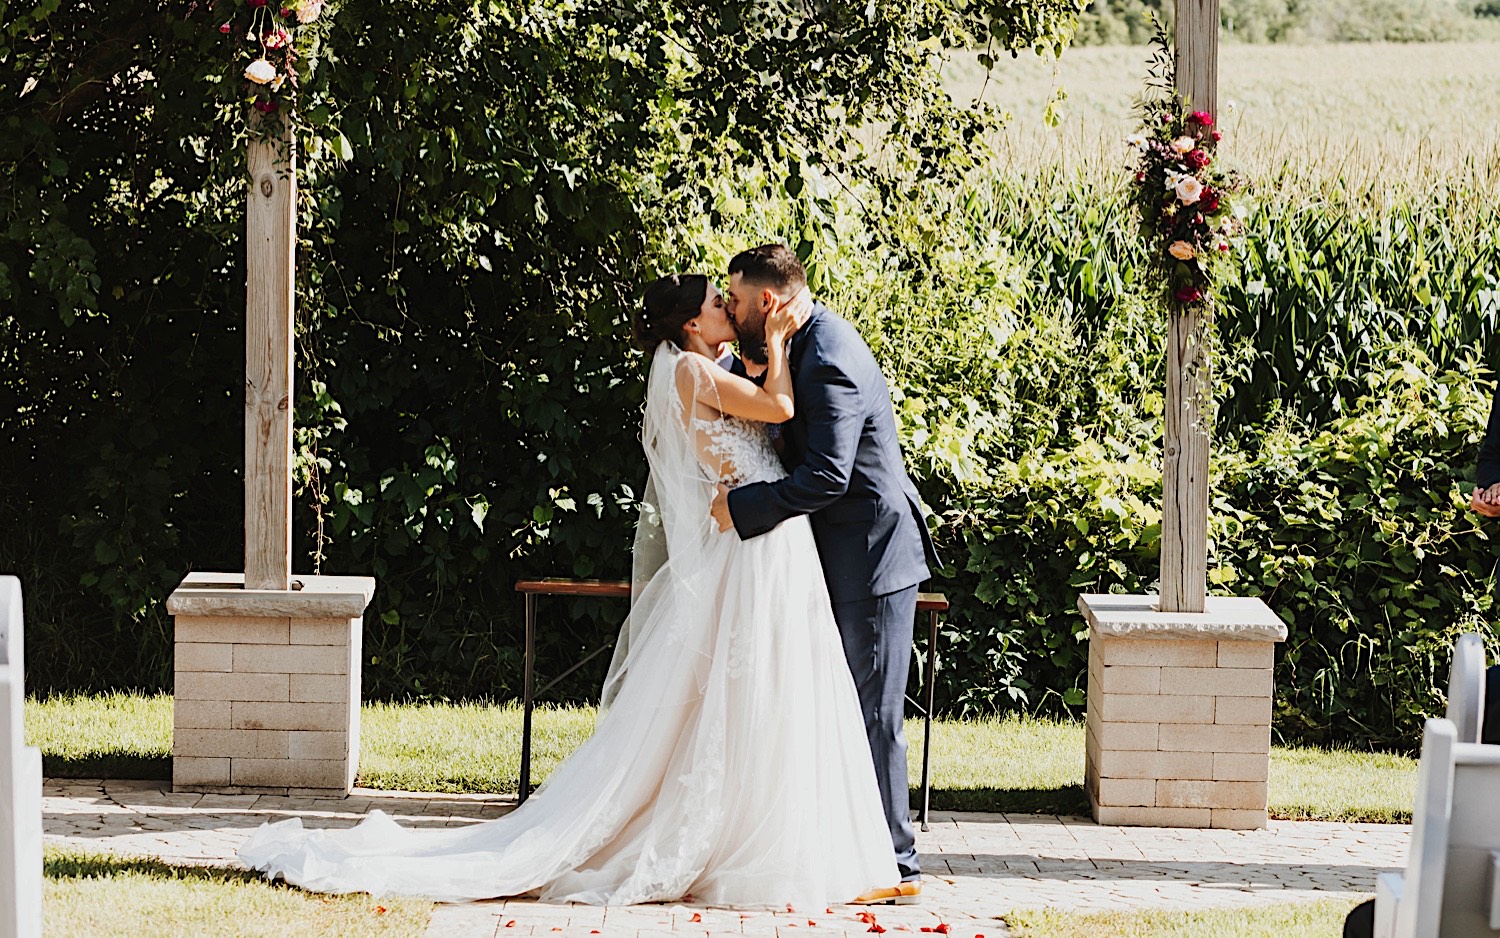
(846, 474)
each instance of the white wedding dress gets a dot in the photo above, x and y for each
(729, 760)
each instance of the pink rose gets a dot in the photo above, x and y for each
(1188, 189)
(1202, 117)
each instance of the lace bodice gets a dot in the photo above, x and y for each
(736, 451)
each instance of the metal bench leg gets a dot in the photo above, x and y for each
(932, 628)
(526, 701)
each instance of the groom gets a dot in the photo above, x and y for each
(846, 473)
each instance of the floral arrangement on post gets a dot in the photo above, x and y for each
(1182, 193)
(270, 31)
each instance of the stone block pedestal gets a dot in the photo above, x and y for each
(1179, 712)
(267, 683)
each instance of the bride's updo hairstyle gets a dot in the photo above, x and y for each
(670, 304)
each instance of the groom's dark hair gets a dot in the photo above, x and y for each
(770, 265)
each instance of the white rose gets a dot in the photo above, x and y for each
(1184, 144)
(1188, 190)
(260, 71)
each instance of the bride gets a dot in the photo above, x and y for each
(730, 759)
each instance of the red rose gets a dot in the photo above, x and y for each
(1210, 203)
(285, 13)
(1202, 117)
(1198, 158)
(1187, 293)
(224, 29)
(1218, 136)
(265, 106)
(255, 4)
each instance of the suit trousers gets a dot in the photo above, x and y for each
(877, 634)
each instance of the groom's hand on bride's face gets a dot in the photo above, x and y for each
(720, 509)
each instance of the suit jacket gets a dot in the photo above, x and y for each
(1488, 471)
(845, 469)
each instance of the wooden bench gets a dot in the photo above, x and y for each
(1466, 688)
(20, 784)
(1449, 889)
(930, 603)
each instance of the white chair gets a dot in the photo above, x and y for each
(20, 785)
(1466, 687)
(1449, 888)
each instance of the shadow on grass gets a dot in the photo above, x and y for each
(69, 865)
(108, 765)
(1069, 799)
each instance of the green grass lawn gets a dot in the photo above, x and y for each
(100, 895)
(1316, 919)
(1014, 764)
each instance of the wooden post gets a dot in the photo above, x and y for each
(270, 228)
(1184, 517)
(20, 784)
(1197, 40)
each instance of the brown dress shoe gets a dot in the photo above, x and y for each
(908, 893)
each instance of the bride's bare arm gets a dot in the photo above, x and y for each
(772, 401)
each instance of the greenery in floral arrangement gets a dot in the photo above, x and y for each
(1181, 191)
(270, 32)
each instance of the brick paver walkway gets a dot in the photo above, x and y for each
(978, 866)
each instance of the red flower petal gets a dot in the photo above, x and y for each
(381, 910)
(511, 924)
(697, 917)
(812, 924)
(877, 928)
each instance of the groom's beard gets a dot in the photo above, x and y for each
(752, 346)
